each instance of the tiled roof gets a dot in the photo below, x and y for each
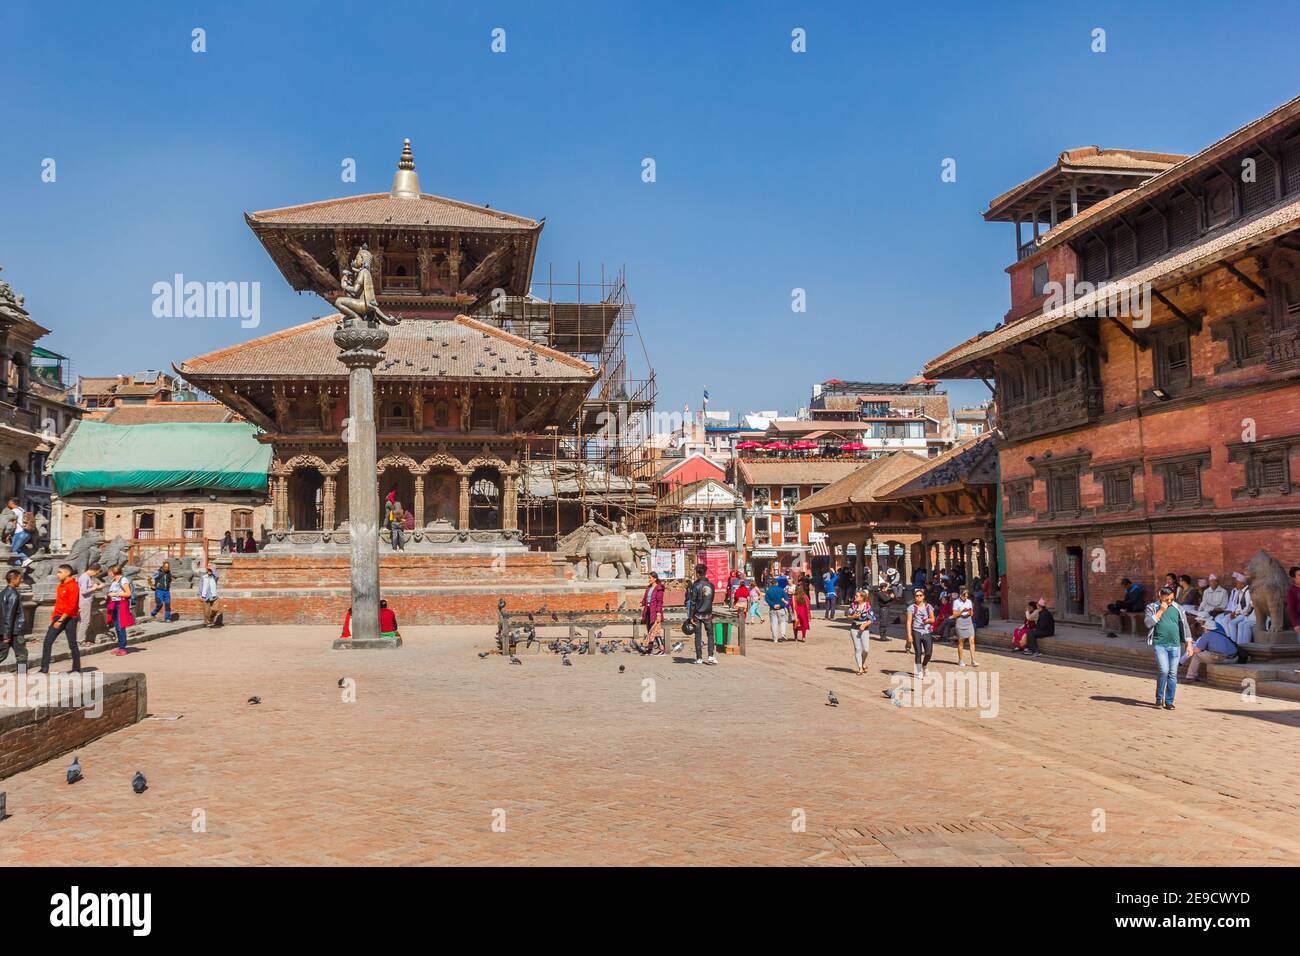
(1092, 159)
(384, 208)
(795, 471)
(860, 485)
(168, 412)
(97, 385)
(973, 462)
(1178, 264)
(417, 348)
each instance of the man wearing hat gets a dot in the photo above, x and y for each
(1213, 647)
(1239, 622)
(1214, 598)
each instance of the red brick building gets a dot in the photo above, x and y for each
(1151, 420)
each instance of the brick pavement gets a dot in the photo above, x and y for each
(719, 769)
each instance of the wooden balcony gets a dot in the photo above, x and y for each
(1052, 413)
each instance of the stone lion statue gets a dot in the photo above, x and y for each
(620, 550)
(1268, 587)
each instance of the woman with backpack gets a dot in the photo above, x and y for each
(860, 619)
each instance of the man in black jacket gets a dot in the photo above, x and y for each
(699, 614)
(13, 620)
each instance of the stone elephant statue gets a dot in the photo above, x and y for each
(620, 550)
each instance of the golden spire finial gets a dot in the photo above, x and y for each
(406, 182)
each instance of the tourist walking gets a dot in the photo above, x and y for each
(13, 620)
(63, 619)
(860, 618)
(24, 526)
(89, 584)
(920, 631)
(395, 526)
(208, 595)
(1167, 630)
(118, 611)
(831, 596)
(652, 614)
(755, 604)
(699, 615)
(778, 609)
(162, 591)
(963, 616)
(887, 593)
(802, 608)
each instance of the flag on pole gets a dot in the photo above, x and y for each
(705, 412)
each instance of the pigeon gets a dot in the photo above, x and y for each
(501, 604)
(677, 647)
(621, 668)
(515, 660)
(530, 615)
(254, 700)
(74, 770)
(138, 783)
(831, 699)
(565, 661)
(342, 680)
(482, 654)
(554, 616)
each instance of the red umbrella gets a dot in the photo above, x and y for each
(804, 445)
(853, 446)
(777, 446)
(748, 444)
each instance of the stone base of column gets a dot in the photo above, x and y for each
(364, 644)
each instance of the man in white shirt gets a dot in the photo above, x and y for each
(1214, 599)
(21, 535)
(208, 595)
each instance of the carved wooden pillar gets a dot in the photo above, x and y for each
(424, 256)
(509, 519)
(281, 503)
(417, 409)
(453, 263)
(463, 523)
(328, 496)
(418, 506)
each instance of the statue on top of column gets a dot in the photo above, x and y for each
(360, 303)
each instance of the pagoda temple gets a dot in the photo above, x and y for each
(461, 402)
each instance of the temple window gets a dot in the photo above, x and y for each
(1182, 479)
(142, 524)
(1116, 487)
(1172, 359)
(241, 520)
(484, 412)
(1219, 201)
(192, 523)
(1063, 491)
(92, 521)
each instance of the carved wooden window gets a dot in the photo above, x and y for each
(1246, 336)
(1183, 482)
(1291, 298)
(142, 525)
(241, 520)
(484, 412)
(1040, 381)
(1018, 498)
(1063, 491)
(1184, 225)
(762, 529)
(192, 523)
(1117, 489)
(1268, 472)
(1172, 358)
(442, 414)
(1014, 386)
(1126, 253)
(1219, 201)
(1260, 190)
(1064, 369)
(1150, 237)
(92, 521)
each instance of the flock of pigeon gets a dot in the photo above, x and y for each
(499, 365)
(138, 783)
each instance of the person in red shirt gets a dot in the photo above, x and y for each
(387, 621)
(347, 625)
(64, 618)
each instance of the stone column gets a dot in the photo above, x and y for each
(463, 522)
(327, 505)
(418, 505)
(360, 347)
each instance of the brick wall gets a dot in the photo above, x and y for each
(30, 736)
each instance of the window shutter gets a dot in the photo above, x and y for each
(1094, 261)
(1182, 221)
(1259, 194)
(1291, 166)
(1150, 238)
(1126, 255)
(1272, 473)
(1187, 482)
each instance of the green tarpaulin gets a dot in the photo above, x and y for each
(140, 459)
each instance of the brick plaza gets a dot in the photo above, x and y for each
(714, 771)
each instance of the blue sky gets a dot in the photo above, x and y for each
(775, 170)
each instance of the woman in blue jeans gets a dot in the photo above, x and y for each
(1168, 631)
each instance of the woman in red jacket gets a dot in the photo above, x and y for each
(652, 616)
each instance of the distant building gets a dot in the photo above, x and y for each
(884, 417)
(95, 393)
(971, 422)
